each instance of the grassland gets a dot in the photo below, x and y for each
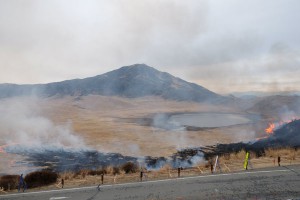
(99, 121)
(229, 163)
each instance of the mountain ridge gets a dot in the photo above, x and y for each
(132, 81)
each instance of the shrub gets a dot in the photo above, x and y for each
(97, 172)
(81, 173)
(113, 170)
(40, 178)
(9, 182)
(130, 167)
(67, 175)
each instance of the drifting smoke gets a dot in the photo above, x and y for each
(163, 121)
(285, 114)
(177, 135)
(23, 124)
(46, 144)
(187, 159)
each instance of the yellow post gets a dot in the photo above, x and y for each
(246, 160)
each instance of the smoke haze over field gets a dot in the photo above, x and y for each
(224, 46)
(23, 124)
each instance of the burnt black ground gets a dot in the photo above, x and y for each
(60, 159)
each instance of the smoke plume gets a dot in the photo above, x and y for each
(22, 123)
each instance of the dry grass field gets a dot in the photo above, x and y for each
(99, 120)
(229, 163)
(102, 123)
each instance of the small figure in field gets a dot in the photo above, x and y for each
(22, 184)
(278, 160)
(62, 183)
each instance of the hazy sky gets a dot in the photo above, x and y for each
(225, 46)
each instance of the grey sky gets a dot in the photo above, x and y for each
(225, 46)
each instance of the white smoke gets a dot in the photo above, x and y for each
(286, 114)
(22, 122)
(177, 135)
(163, 121)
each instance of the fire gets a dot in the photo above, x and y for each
(273, 126)
(270, 129)
(2, 148)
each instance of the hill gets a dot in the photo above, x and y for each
(279, 107)
(133, 81)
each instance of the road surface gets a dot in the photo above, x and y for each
(268, 183)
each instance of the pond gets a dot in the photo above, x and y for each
(210, 120)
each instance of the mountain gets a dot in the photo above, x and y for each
(277, 106)
(133, 81)
(258, 94)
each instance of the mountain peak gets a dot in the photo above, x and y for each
(131, 81)
(137, 69)
(138, 65)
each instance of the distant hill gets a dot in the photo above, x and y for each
(277, 106)
(253, 94)
(133, 81)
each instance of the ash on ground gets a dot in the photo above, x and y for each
(60, 159)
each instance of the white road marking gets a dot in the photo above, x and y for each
(147, 182)
(54, 198)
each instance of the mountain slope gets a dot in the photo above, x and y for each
(130, 81)
(277, 106)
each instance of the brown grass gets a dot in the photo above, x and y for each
(98, 120)
(9, 182)
(288, 156)
(130, 167)
(228, 163)
(40, 178)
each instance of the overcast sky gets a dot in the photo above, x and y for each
(225, 46)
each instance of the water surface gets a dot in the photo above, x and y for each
(209, 120)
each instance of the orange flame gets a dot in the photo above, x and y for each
(273, 126)
(270, 129)
(2, 149)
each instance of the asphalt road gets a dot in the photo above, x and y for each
(268, 183)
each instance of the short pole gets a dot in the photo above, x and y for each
(141, 176)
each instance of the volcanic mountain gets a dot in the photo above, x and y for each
(133, 81)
